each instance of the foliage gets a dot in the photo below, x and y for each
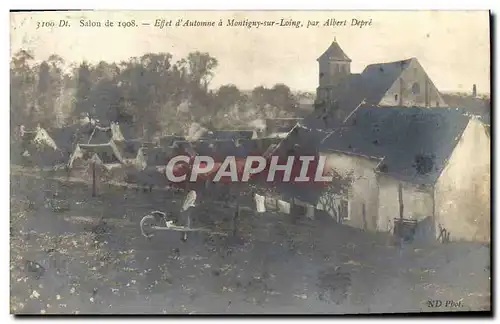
(153, 94)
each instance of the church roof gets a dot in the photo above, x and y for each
(368, 87)
(378, 78)
(334, 53)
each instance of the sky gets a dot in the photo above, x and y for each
(452, 46)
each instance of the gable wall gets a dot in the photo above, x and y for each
(362, 191)
(414, 73)
(462, 192)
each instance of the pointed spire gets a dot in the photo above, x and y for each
(335, 53)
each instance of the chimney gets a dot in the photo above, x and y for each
(474, 91)
(400, 91)
(427, 101)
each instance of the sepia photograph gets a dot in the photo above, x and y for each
(250, 162)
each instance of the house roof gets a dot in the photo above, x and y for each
(414, 143)
(376, 79)
(101, 135)
(29, 136)
(334, 53)
(257, 146)
(217, 148)
(476, 106)
(107, 153)
(129, 149)
(302, 140)
(39, 148)
(229, 134)
(280, 125)
(155, 156)
(67, 137)
(38, 136)
(169, 140)
(181, 147)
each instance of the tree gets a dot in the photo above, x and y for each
(83, 91)
(281, 97)
(44, 111)
(104, 93)
(22, 88)
(201, 66)
(228, 95)
(61, 94)
(259, 96)
(147, 91)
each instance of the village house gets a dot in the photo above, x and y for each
(90, 133)
(402, 83)
(394, 149)
(36, 147)
(105, 159)
(279, 127)
(106, 154)
(428, 165)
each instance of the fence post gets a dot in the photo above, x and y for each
(400, 198)
(235, 219)
(93, 180)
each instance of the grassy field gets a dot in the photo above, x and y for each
(92, 259)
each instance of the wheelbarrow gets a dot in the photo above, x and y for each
(158, 221)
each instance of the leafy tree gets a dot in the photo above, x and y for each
(83, 91)
(228, 95)
(44, 111)
(22, 88)
(201, 66)
(281, 96)
(150, 92)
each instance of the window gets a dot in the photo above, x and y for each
(343, 210)
(437, 103)
(415, 88)
(396, 97)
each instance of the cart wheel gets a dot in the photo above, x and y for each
(147, 222)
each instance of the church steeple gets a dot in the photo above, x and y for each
(334, 53)
(334, 68)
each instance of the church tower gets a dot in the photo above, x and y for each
(334, 68)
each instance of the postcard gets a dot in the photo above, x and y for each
(250, 162)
